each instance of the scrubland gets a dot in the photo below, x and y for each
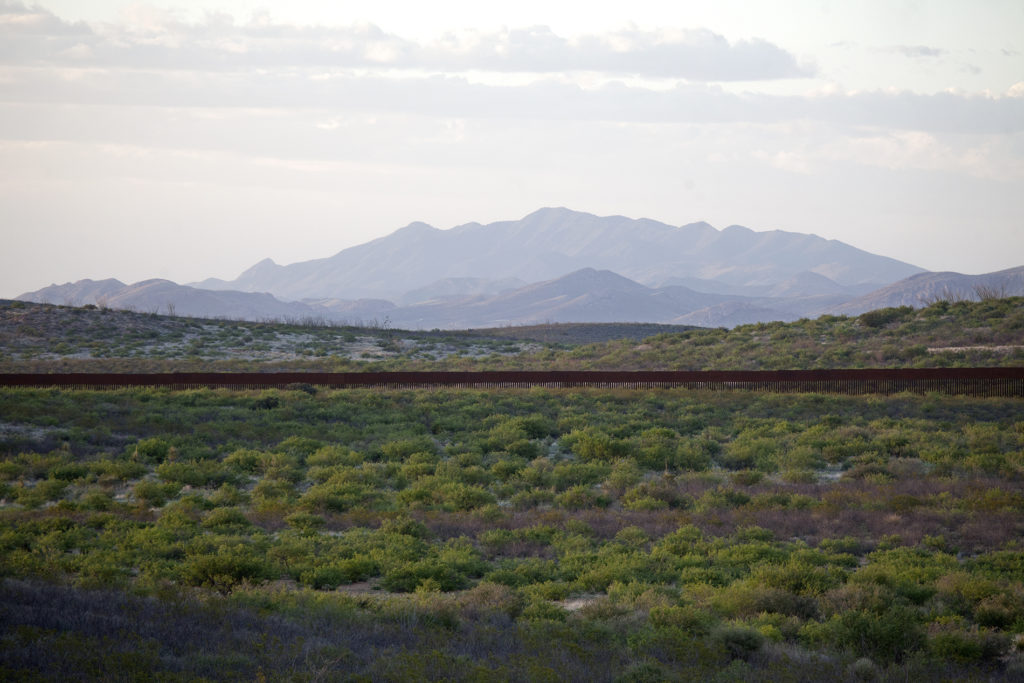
(524, 534)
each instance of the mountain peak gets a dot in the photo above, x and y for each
(550, 212)
(416, 228)
(593, 279)
(267, 265)
(737, 230)
(594, 274)
(557, 215)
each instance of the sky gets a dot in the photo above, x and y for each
(188, 139)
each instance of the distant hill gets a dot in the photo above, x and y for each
(76, 293)
(587, 295)
(164, 296)
(550, 243)
(455, 288)
(733, 313)
(926, 288)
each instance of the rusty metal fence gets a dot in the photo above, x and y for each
(963, 381)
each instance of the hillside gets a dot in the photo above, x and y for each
(962, 333)
(47, 338)
(924, 288)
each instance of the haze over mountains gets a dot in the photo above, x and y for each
(550, 243)
(556, 265)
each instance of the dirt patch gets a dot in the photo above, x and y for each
(361, 588)
(579, 602)
(960, 349)
(581, 333)
(29, 431)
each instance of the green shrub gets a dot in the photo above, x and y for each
(228, 495)
(226, 517)
(331, 455)
(339, 496)
(686, 618)
(883, 316)
(747, 453)
(153, 450)
(799, 577)
(644, 672)
(594, 445)
(196, 473)
(298, 447)
(695, 454)
(70, 471)
(886, 637)
(663, 490)
(50, 489)
(400, 450)
(1001, 610)
(747, 477)
(224, 570)
(527, 571)
(408, 577)
(639, 503)
(10, 471)
(750, 597)
(488, 598)
(432, 492)
(155, 494)
(405, 526)
(542, 610)
(339, 572)
(968, 646)
(305, 522)
(96, 500)
(738, 641)
(269, 489)
(581, 497)
(245, 460)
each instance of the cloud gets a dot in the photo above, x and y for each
(152, 39)
(18, 19)
(916, 51)
(697, 55)
(980, 158)
(152, 58)
(287, 92)
(544, 99)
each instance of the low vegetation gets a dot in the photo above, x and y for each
(541, 534)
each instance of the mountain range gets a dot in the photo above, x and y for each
(550, 243)
(557, 265)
